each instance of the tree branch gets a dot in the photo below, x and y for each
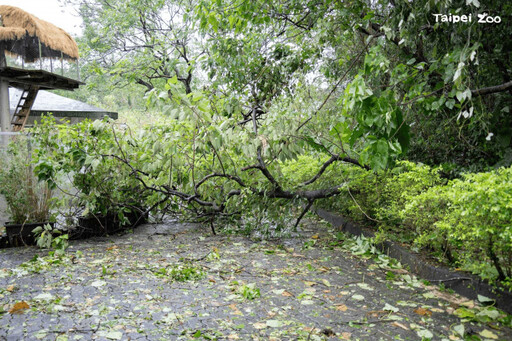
(333, 159)
(491, 89)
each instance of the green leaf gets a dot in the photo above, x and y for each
(380, 155)
(425, 334)
(389, 307)
(114, 335)
(484, 299)
(488, 334)
(459, 329)
(316, 146)
(358, 297)
(212, 20)
(274, 323)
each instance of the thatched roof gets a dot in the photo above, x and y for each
(22, 32)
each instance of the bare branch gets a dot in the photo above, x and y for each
(306, 209)
(492, 89)
(333, 159)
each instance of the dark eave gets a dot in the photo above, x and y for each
(20, 78)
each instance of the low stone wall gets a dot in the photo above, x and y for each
(462, 283)
(71, 116)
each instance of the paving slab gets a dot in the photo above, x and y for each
(176, 281)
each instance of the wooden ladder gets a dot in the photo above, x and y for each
(22, 111)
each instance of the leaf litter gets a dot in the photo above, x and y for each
(195, 285)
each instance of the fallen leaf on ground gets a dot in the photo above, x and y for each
(113, 335)
(19, 307)
(485, 299)
(460, 329)
(341, 307)
(399, 325)
(98, 283)
(389, 307)
(425, 334)
(10, 288)
(287, 294)
(346, 336)
(260, 325)
(468, 304)
(488, 334)
(274, 323)
(236, 311)
(112, 247)
(423, 312)
(326, 283)
(377, 313)
(399, 271)
(315, 236)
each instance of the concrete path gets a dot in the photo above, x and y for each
(178, 282)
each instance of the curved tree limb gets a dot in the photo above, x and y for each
(491, 89)
(333, 159)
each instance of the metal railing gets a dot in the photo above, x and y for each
(56, 65)
(6, 137)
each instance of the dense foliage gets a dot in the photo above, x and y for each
(382, 70)
(273, 106)
(463, 222)
(28, 200)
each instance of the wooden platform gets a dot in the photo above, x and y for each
(20, 78)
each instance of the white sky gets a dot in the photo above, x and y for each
(52, 11)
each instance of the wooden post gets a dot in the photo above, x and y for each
(5, 114)
(40, 55)
(3, 60)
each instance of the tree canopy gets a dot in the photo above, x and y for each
(388, 79)
(272, 107)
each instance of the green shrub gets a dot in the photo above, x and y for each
(48, 237)
(400, 185)
(80, 156)
(184, 273)
(28, 200)
(425, 215)
(467, 221)
(379, 197)
(295, 172)
(471, 217)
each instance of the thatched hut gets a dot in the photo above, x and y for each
(31, 52)
(31, 38)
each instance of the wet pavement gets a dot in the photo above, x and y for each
(176, 281)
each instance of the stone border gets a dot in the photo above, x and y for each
(461, 282)
(62, 114)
